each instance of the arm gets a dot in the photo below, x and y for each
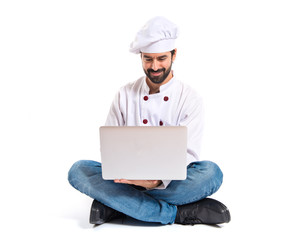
(115, 116)
(193, 118)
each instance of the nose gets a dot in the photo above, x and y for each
(155, 66)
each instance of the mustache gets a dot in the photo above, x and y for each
(159, 70)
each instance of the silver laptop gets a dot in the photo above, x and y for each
(143, 153)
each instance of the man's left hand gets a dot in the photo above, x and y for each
(143, 183)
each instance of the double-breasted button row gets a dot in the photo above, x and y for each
(145, 121)
(145, 98)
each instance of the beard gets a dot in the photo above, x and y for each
(158, 79)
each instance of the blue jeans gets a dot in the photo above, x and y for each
(157, 205)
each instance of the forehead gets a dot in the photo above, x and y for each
(155, 55)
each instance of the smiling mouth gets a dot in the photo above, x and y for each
(156, 73)
(158, 76)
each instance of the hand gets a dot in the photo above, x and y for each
(143, 183)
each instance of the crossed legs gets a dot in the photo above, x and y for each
(203, 179)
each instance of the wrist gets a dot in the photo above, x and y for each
(159, 183)
(155, 184)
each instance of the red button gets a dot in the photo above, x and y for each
(161, 123)
(145, 98)
(166, 99)
(145, 121)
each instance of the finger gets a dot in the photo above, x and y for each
(122, 181)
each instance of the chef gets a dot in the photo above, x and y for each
(156, 99)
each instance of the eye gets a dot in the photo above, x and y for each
(162, 58)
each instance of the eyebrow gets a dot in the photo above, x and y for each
(162, 56)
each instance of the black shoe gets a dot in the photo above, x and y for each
(206, 211)
(100, 213)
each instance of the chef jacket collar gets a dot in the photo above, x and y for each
(163, 87)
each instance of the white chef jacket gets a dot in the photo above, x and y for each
(176, 104)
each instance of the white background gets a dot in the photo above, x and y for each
(61, 63)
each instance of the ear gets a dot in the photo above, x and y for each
(174, 55)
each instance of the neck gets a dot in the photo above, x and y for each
(154, 87)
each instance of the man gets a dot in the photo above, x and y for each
(158, 99)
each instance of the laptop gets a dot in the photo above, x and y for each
(143, 153)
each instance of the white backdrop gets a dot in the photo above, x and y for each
(61, 63)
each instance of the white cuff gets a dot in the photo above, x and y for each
(164, 184)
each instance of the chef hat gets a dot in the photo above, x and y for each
(157, 35)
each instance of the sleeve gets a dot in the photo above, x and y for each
(193, 119)
(164, 184)
(115, 116)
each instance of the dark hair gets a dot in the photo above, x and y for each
(172, 52)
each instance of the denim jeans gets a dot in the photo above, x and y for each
(156, 205)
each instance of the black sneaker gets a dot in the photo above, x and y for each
(100, 213)
(206, 211)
